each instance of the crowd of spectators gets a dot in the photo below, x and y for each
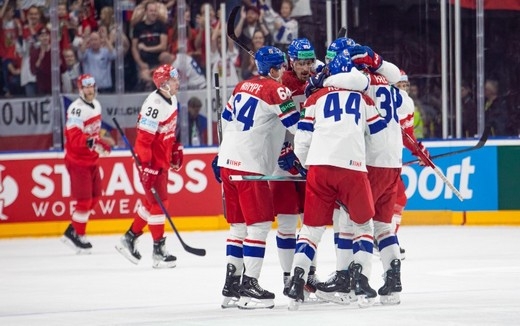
(87, 41)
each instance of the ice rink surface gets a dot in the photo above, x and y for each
(452, 275)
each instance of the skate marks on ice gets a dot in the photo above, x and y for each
(451, 276)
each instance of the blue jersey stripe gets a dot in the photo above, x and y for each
(306, 126)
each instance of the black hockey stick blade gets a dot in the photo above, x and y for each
(231, 30)
(342, 32)
(482, 141)
(191, 250)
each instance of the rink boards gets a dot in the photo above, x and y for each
(35, 190)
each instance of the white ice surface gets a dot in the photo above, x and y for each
(451, 276)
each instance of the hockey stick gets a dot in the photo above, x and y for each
(430, 163)
(231, 30)
(482, 141)
(191, 250)
(342, 32)
(265, 178)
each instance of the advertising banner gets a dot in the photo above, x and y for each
(474, 174)
(37, 188)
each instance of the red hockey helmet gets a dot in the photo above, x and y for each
(164, 73)
(404, 76)
(86, 80)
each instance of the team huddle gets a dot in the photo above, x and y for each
(340, 126)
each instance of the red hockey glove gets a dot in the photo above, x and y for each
(177, 156)
(425, 152)
(363, 56)
(148, 177)
(99, 146)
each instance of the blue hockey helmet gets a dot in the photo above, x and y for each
(337, 46)
(341, 63)
(301, 49)
(268, 57)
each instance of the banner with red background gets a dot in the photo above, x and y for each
(36, 187)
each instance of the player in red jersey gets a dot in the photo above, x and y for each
(83, 146)
(158, 150)
(289, 196)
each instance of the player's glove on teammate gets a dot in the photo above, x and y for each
(216, 169)
(289, 162)
(363, 56)
(315, 82)
(177, 156)
(148, 176)
(99, 146)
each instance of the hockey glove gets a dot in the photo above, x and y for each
(289, 162)
(99, 146)
(425, 152)
(216, 169)
(148, 176)
(315, 82)
(177, 156)
(363, 56)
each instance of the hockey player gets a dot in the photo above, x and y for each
(158, 151)
(330, 140)
(384, 160)
(83, 146)
(289, 196)
(408, 119)
(255, 120)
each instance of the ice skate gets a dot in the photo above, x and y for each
(365, 294)
(161, 258)
(389, 292)
(127, 248)
(252, 296)
(78, 243)
(231, 288)
(336, 289)
(309, 290)
(286, 282)
(295, 292)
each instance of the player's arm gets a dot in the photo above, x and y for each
(303, 136)
(286, 109)
(74, 128)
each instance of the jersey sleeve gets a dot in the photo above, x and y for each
(303, 135)
(74, 128)
(284, 107)
(147, 127)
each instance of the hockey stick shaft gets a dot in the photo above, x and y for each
(481, 142)
(265, 178)
(191, 250)
(430, 163)
(231, 30)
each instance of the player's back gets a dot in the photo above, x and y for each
(339, 126)
(384, 149)
(254, 124)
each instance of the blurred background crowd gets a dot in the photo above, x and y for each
(404, 32)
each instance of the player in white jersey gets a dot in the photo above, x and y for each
(407, 118)
(331, 142)
(255, 120)
(158, 151)
(83, 146)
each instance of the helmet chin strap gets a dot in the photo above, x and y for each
(277, 79)
(166, 88)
